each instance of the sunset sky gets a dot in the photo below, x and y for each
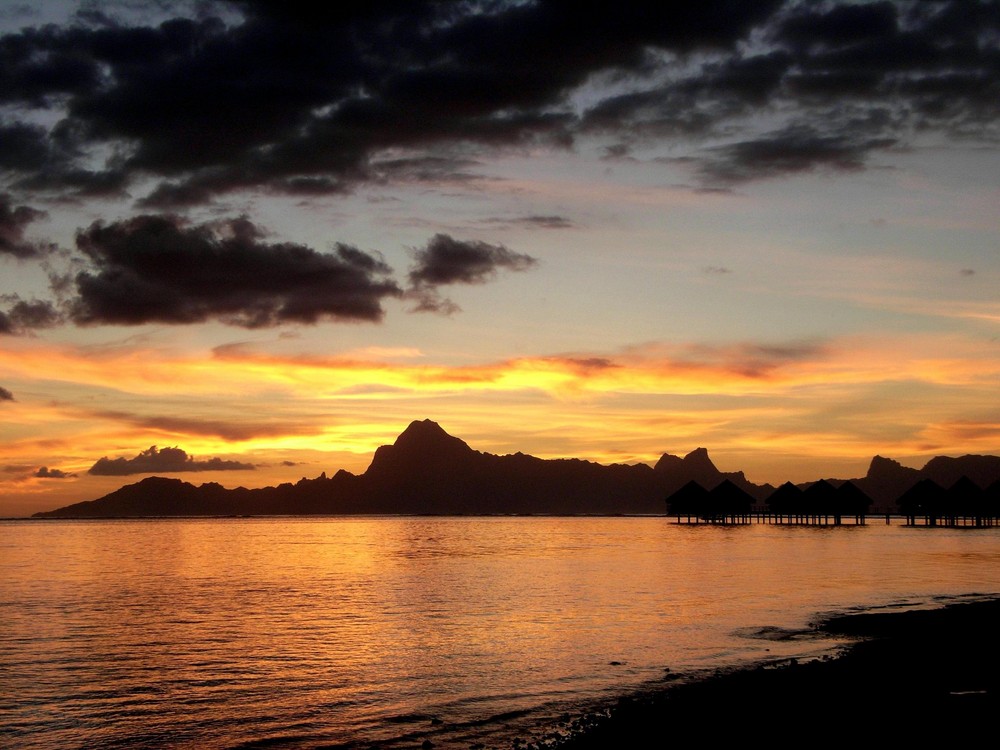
(247, 244)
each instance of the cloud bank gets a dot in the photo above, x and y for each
(154, 115)
(157, 269)
(346, 88)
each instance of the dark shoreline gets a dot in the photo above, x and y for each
(911, 676)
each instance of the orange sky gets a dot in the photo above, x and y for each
(704, 232)
(799, 411)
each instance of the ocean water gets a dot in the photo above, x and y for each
(304, 632)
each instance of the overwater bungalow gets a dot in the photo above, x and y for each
(926, 499)
(724, 503)
(820, 503)
(690, 501)
(853, 501)
(785, 503)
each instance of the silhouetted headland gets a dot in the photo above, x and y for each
(428, 471)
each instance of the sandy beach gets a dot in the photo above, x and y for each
(917, 676)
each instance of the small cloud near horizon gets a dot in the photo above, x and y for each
(45, 472)
(166, 460)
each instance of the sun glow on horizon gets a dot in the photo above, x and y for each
(836, 401)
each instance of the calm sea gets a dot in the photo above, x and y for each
(278, 632)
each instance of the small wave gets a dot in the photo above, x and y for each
(774, 633)
(284, 740)
(496, 718)
(409, 718)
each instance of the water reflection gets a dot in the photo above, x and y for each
(221, 631)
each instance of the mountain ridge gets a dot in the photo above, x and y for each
(428, 471)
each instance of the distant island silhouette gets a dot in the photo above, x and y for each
(428, 471)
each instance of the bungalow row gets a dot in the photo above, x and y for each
(823, 503)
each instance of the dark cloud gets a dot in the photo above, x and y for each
(41, 64)
(13, 221)
(751, 360)
(546, 222)
(717, 270)
(840, 25)
(340, 85)
(77, 183)
(415, 91)
(714, 190)
(425, 169)
(585, 365)
(226, 430)
(310, 186)
(446, 260)
(790, 151)
(825, 85)
(934, 63)
(968, 272)
(24, 472)
(692, 105)
(23, 147)
(22, 316)
(535, 222)
(171, 196)
(157, 269)
(5, 395)
(45, 472)
(430, 300)
(870, 75)
(165, 460)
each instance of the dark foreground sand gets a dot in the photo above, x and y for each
(922, 677)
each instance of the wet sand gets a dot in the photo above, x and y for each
(923, 676)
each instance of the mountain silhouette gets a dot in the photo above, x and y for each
(428, 471)
(887, 480)
(946, 471)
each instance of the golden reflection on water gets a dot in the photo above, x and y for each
(213, 632)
